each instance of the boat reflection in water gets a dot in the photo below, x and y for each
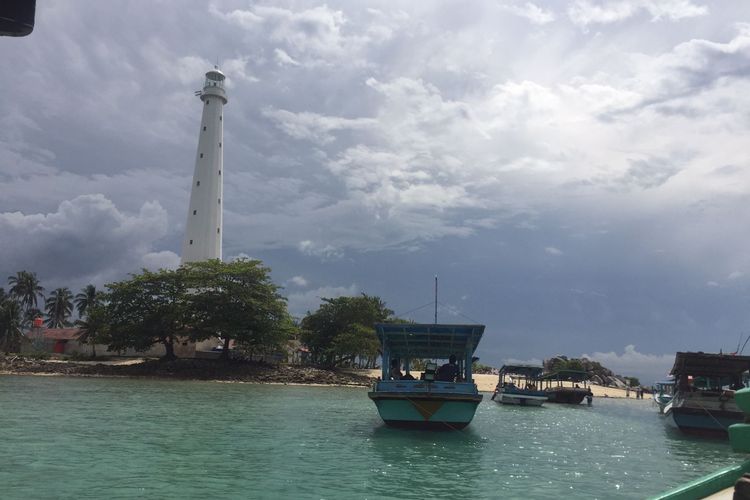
(443, 398)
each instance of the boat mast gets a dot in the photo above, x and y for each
(436, 299)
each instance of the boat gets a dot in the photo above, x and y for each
(573, 393)
(703, 402)
(432, 401)
(522, 389)
(663, 394)
(730, 482)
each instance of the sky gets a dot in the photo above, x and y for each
(575, 172)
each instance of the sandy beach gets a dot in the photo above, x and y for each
(487, 383)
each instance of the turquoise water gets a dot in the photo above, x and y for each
(120, 438)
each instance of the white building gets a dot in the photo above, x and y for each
(204, 219)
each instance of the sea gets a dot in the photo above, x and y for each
(64, 437)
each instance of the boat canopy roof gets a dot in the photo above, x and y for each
(524, 370)
(411, 340)
(567, 375)
(700, 363)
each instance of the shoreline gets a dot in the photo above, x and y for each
(232, 371)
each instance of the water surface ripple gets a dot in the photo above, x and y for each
(122, 438)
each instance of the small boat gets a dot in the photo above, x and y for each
(663, 394)
(443, 398)
(573, 393)
(522, 389)
(703, 402)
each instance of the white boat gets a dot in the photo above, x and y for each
(522, 388)
(663, 394)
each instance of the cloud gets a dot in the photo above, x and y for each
(323, 251)
(532, 12)
(284, 58)
(86, 236)
(735, 275)
(165, 259)
(647, 367)
(553, 251)
(313, 126)
(298, 281)
(585, 12)
(308, 301)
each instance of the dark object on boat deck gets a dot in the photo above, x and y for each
(742, 488)
(17, 17)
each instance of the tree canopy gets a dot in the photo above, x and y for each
(342, 329)
(238, 302)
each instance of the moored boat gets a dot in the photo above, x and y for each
(521, 388)
(573, 393)
(730, 482)
(703, 403)
(443, 398)
(663, 394)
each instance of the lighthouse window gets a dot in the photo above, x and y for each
(218, 229)
(197, 183)
(201, 155)
(219, 201)
(195, 212)
(219, 144)
(219, 117)
(219, 172)
(191, 242)
(206, 102)
(204, 128)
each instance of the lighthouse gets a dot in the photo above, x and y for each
(204, 219)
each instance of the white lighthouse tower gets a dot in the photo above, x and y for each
(204, 220)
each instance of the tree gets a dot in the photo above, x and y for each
(342, 329)
(85, 299)
(10, 324)
(95, 328)
(59, 306)
(148, 308)
(25, 287)
(238, 302)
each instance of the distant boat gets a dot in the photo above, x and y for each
(663, 394)
(703, 401)
(523, 388)
(573, 393)
(437, 400)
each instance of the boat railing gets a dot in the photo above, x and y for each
(425, 386)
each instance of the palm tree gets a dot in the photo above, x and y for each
(93, 328)
(10, 324)
(25, 286)
(85, 300)
(59, 306)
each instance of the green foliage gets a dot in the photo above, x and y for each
(95, 328)
(59, 306)
(148, 308)
(233, 300)
(10, 324)
(25, 287)
(86, 299)
(237, 301)
(342, 329)
(633, 381)
(477, 367)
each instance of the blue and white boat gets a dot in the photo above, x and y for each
(522, 386)
(703, 402)
(443, 398)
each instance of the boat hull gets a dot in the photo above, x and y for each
(566, 395)
(702, 422)
(520, 397)
(425, 406)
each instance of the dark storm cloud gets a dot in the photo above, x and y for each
(563, 167)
